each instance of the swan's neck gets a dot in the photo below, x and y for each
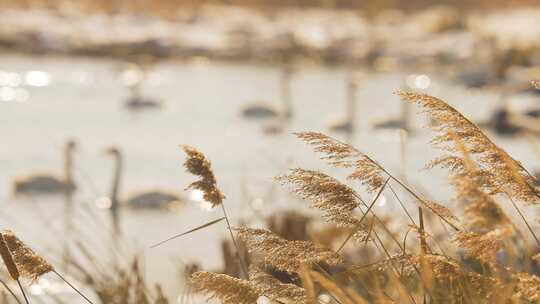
(351, 102)
(116, 181)
(68, 165)
(286, 92)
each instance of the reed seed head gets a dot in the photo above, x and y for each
(8, 259)
(275, 289)
(504, 174)
(197, 164)
(336, 200)
(339, 154)
(29, 264)
(284, 255)
(227, 289)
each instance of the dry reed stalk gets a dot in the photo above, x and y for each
(197, 164)
(11, 266)
(336, 200)
(337, 292)
(30, 264)
(484, 247)
(308, 284)
(8, 259)
(11, 292)
(227, 289)
(365, 169)
(501, 172)
(275, 289)
(358, 225)
(342, 155)
(527, 288)
(284, 255)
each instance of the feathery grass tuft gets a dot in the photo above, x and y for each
(197, 164)
(336, 200)
(275, 289)
(502, 173)
(227, 289)
(343, 155)
(29, 264)
(283, 255)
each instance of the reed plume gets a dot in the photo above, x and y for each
(29, 264)
(483, 247)
(283, 255)
(343, 155)
(197, 164)
(482, 212)
(227, 289)
(336, 200)
(274, 289)
(503, 173)
(536, 84)
(366, 170)
(8, 259)
(527, 288)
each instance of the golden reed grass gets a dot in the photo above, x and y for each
(481, 261)
(29, 264)
(197, 164)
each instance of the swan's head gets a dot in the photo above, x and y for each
(71, 145)
(112, 151)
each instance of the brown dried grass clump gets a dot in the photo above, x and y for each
(343, 155)
(197, 164)
(29, 264)
(283, 255)
(227, 289)
(336, 200)
(502, 173)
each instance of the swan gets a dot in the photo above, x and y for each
(41, 184)
(347, 125)
(401, 122)
(152, 199)
(261, 109)
(133, 77)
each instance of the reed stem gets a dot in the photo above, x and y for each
(240, 258)
(11, 291)
(73, 287)
(22, 291)
(363, 216)
(524, 220)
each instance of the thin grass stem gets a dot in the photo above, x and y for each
(22, 291)
(73, 287)
(10, 291)
(240, 258)
(363, 216)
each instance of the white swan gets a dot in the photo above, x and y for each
(152, 199)
(133, 77)
(262, 109)
(347, 124)
(41, 184)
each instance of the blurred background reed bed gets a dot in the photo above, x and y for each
(333, 151)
